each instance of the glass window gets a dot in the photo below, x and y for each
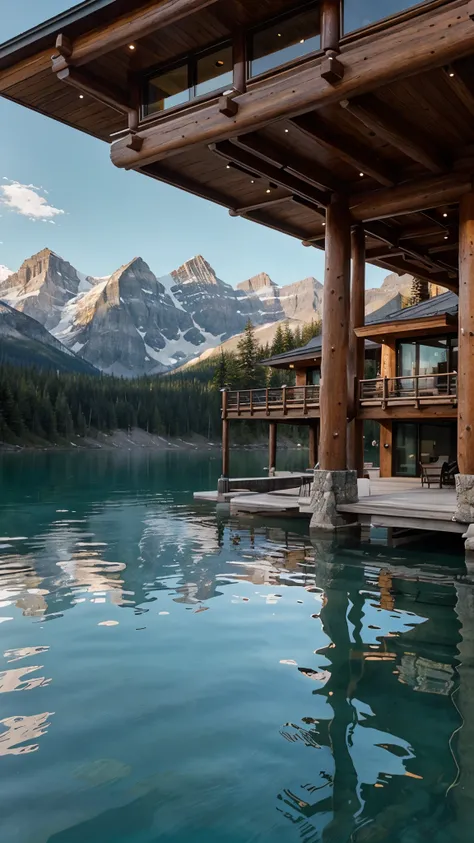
(214, 71)
(360, 13)
(289, 39)
(168, 89)
(313, 377)
(406, 449)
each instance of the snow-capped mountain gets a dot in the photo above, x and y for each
(132, 322)
(4, 272)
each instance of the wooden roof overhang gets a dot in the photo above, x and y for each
(394, 133)
(444, 323)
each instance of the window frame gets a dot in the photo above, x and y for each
(284, 16)
(189, 61)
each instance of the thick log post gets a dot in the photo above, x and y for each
(386, 448)
(330, 25)
(333, 400)
(272, 448)
(313, 444)
(355, 369)
(240, 61)
(225, 436)
(466, 336)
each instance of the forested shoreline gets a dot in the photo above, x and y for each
(41, 406)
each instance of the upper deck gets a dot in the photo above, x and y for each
(198, 94)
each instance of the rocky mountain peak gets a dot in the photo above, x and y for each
(256, 283)
(4, 272)
(195, 271)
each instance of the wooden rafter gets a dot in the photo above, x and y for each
(166, 174)
(107, 94)
(230, 152)
(347, 149)
(390, 238)
(269, 203)
(309, 171)
(128, 28)
(395, 131)
(461, 86)
(410, 197)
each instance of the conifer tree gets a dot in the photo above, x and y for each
(251, 374)
(278, 344)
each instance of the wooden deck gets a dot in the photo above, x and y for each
(393, 502)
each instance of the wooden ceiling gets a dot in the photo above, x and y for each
(280, 175)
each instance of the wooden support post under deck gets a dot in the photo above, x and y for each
(355, 368)
(272, 448)
(240, 61)
(225, 436)
(333, 400)
(330, 25)
(313, 444)
(466, 335)
(386, 449)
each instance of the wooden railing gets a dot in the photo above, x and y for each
(266, 401)
(426, 389)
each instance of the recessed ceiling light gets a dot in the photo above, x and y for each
(81, 96)
(324, 224)
(219, 63)
(302, 41)
(286, 131)
(228, 167)
(279, 34)
(445, 215)
(451, 73)
(131, 46)
(268, 190)
(361, 175)
(252, 181)
(446, 237)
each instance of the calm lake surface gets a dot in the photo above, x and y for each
(169, 674)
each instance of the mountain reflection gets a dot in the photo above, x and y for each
(274, 687)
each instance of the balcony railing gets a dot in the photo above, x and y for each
(418, 389)
(284, 400)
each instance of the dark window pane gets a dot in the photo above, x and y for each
(168, 89)
(360, 13)
(285, 41)
(214, 71)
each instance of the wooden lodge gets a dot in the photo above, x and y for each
(348, 124)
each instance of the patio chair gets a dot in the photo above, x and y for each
(431, 472)
(448, 473)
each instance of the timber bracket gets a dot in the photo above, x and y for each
(332, 70)
(228, 106)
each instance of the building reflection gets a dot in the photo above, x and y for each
(385, 726)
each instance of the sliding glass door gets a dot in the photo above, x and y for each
(426, 442)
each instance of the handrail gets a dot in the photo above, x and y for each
(268, 398)
(418, 387)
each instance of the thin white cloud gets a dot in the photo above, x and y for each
(26, 200)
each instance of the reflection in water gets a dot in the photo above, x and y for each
(217, 680)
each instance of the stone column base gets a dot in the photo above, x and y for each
(464, 498)
(223, 487)
(330, 489)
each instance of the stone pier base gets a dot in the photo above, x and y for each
(464, 498)
(330, 489)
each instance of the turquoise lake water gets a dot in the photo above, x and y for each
(170, 674)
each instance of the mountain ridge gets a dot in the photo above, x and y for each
(134, 322)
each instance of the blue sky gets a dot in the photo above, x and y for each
(59, 189)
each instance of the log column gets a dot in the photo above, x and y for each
(466, 336)
(313, 444)
(333, 399)
(272, 448)
(225, 437)
(355, 369)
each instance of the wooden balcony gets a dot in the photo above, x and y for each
(286, 403)
(409, 397)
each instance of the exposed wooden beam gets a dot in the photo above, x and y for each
(269, 203)
(95, 88)
(444, 35)
(130, 27)
(263, 219)
(410, 197)
(167, 175)
(18, 73)
(309, 171)
(229, 152)
(390, 237)
(461, 86)
(347, 149)
(378, 252)
(395, 131)
(403, 267)
(445, 247)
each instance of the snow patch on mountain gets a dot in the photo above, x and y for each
(4, 272)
